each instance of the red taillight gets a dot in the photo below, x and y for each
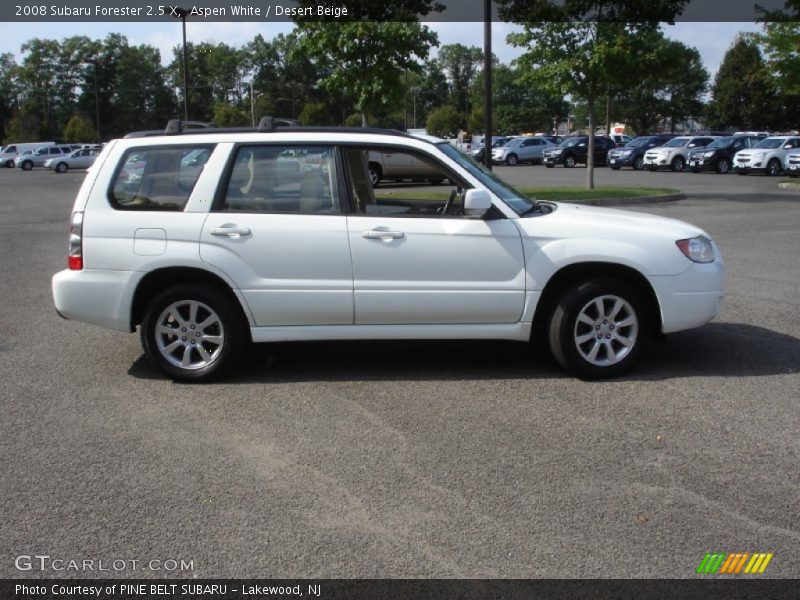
(75, 256)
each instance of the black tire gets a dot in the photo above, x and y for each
(62, 167)
(565, 329)
(652, 168)
(9, 164)
(723, 166)
(511, 160)
(436, 181)
(615, 168)
(375, 174)
(549, 165)
(773, 168)
(569, 161)
(638, 163)
(677, 164)
(229, 325)
(27, 165)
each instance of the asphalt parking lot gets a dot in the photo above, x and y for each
(409, 459)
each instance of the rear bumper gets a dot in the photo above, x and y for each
(96, 296)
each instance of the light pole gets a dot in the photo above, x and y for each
(182, 13)
(487, 84)
(96, 98)
(253, 97)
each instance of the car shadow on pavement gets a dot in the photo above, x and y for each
(718, 349)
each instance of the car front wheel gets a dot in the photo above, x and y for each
(511, 160)
(27, 165)
(569, 161)
(773, 168)
(192, 333)
(61, 167)
(638, 163)
(599, 328)
(677, 164)
(723, 166)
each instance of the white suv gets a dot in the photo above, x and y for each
(208, 240)
(767, 156)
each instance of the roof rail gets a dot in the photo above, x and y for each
(176, 126)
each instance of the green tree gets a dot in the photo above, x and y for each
(315, 113)
(366, 58)
(79, 129)
(227, 115)
(8, 88)
(443, 121)
(461, 65)
(744, 94)
(580, 47)
(781, 44)
(23, 126)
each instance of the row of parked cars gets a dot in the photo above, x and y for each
(58, 157)
(743, 152)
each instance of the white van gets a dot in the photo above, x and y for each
(11, 151)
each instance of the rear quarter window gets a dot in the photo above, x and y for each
(157, 178)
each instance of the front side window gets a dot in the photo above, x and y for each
(677, 143)
(403, 172)
(282, 179)
(157, 178)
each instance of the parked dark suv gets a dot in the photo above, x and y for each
(632, 154)
(575, 150)
(718, 155)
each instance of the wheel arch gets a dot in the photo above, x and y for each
(160, 279)
(571, 274)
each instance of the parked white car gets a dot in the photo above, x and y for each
(674, 154)
(11, 151)
(79, 159)
(205, 261)
(767, 156)
(792, 164)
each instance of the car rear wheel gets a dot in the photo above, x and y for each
(723, 166)
(773, 167)
(569, 161)
(192, 333)
(9, 164)
(511, 160)
(61, 167)
(599, 328)
(677, 164)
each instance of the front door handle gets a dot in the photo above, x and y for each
(377, 234)
(232, 231)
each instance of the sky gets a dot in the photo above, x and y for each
(711, 39)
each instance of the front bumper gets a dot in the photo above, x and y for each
(621, 161)
(692, 298)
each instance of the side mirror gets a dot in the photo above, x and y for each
(476, 203)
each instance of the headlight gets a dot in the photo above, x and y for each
(709, 154)
(759, 155)
(625, 152)
(557, 151)
(697, 249)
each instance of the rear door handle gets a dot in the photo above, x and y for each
(230, 231)
(377, 234)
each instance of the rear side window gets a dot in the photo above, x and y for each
(157, 178)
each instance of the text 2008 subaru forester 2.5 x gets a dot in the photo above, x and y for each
(207, 240)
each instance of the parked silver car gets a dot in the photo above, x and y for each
(522, 149)
(79, 159)
(37, 159)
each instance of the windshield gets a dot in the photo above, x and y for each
(518, 203)
(571, 142)
(677, 142)
(500, 142)
(638, 142)
(770, 143)
(721, 142)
